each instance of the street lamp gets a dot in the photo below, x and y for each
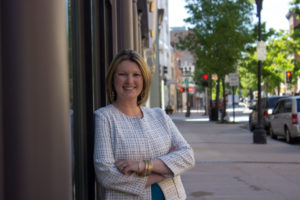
(259, 133)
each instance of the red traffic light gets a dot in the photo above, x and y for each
(288, 77)
(182, 89)
(204, 80)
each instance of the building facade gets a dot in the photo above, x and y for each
(177, 88)
(293, 22)
(54, 57)
(192, 95)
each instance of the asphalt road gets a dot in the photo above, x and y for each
(230, 167)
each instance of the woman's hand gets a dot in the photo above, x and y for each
(127, 166)
(154, 178)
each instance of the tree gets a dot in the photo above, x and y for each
(219, 34)
(295, 7)
(278, 61)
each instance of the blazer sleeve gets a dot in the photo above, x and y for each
(106, 172)
(182, 159)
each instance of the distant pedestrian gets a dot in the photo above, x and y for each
(139, 152)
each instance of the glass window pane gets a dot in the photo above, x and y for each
(69, 31)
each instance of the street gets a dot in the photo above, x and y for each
(229, 166)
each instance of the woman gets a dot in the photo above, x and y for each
(139, 153)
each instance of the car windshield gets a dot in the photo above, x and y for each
(298, 105)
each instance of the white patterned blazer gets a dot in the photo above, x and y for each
(118, 136)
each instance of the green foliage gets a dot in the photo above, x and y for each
(248, 72)
(281, 48)
(222, 37)
(220, 33)
(278, 61)
(295, 7)
(221, 29)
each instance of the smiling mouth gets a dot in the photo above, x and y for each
(128, 88)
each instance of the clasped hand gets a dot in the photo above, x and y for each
(127, 166)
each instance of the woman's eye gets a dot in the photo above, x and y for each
(137, 75)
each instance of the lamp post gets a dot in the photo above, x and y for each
(259, 133)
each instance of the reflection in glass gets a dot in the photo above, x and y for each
(69, 35)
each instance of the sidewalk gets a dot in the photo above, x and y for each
(194, 116)
(229, 166)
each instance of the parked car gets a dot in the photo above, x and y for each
(252, 103)
(267, 106)
(284, 120)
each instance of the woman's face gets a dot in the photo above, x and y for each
(128, 81)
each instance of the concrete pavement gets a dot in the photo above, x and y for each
(230, 167)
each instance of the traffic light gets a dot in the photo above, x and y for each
(288, 77)
(205, 77)
(204, 80)
(182, 89)
(165, 69)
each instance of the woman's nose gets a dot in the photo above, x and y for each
(129, 79)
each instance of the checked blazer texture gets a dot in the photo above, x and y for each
(118, 136)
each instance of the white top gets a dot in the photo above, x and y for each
(118, 136)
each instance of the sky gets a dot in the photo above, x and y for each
(273, 13)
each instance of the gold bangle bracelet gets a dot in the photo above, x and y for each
(150, 167)
(146, 167)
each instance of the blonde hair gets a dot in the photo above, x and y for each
(132, 56)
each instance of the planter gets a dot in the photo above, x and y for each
(169, 110)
